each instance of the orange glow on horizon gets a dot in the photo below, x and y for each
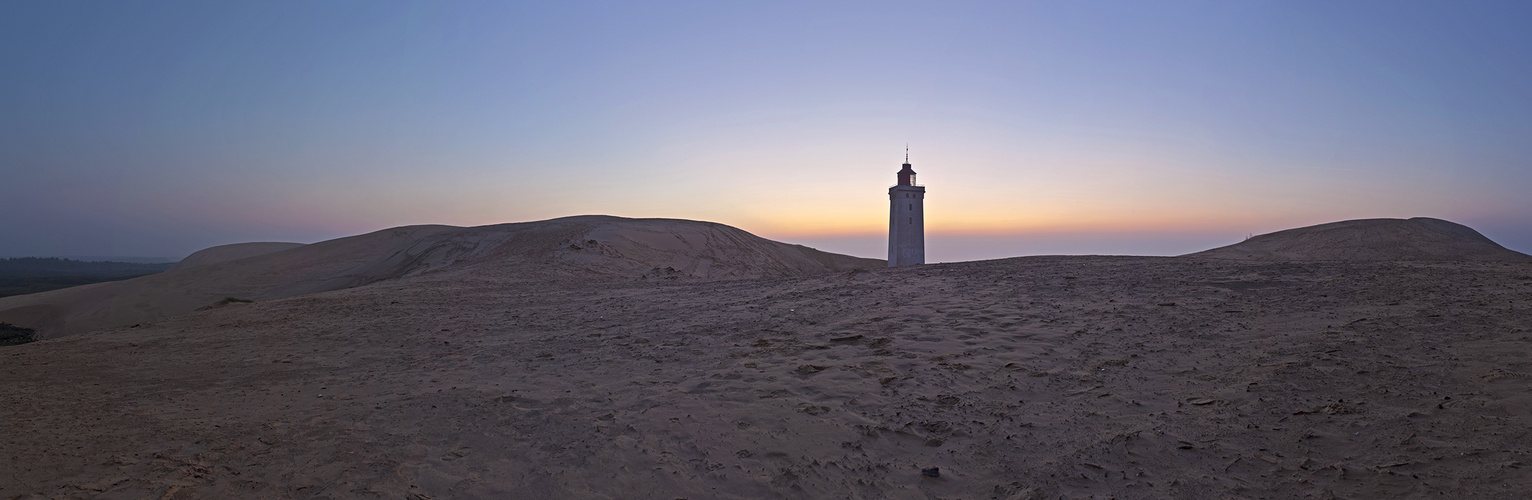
(998, 223)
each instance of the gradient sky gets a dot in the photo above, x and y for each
(1138, 127)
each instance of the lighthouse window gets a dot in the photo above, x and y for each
(912, 220)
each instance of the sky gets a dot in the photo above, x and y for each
(1068, 127)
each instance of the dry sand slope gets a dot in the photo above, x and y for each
(1038, 377)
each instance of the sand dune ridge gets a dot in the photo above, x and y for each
(1415, 239)
(580, 247)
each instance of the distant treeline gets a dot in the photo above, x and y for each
(37, 267)
(25, 275)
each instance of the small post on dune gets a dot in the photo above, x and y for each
(906, 219)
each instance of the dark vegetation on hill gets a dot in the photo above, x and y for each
(15, 335)
(24, 275)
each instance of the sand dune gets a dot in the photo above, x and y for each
(1417, 239)
(566, 248)
(596, 357)
(225, 253)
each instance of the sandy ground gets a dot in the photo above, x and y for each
(1104, 377)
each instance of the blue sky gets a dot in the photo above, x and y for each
(159, 128)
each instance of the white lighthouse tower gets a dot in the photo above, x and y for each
(906, 219)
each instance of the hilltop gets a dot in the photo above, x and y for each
(569, 248)
(1416, 239)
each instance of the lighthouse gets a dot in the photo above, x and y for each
(906, 219)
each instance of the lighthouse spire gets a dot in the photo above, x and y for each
(906, 218)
